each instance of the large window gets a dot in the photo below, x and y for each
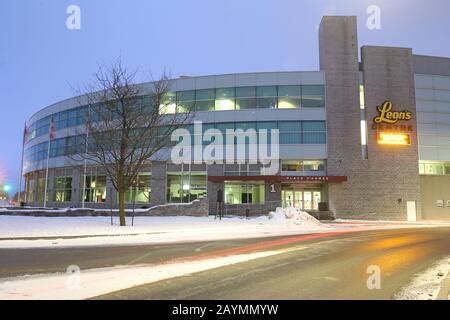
(313, 96)
(250, 97)
(37, 152)
(40, 127)
(205, 100)
(63, 189)
(242, 169)
(289, 97)
(40, 190)
(95, 188)
(224, 99)
(302, 132)
(185, 101)
(168, 103)
(245, 98)
(185, 186)
(140, 192)
(290, 132)
(313, 132)
(239, 192)
(434, 168)
(306, 167)
(30, 187)
(70, 118)
(266, 97)
(67, 146)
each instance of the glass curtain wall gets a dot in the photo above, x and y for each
(185, 187)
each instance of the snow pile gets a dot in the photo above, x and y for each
(426, 285)
(293, 216)
(24, 231)
(4, 203)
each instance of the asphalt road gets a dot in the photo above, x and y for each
(325, 268)
(18, 262)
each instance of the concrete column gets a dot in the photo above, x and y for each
(51, 188)
(394, 170)
(111, 194)
(158, 183)
(213, 187)
(77, 187)
(272, 199)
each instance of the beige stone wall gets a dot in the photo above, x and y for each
(434, 188)
(380, 186)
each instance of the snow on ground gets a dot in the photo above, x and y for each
(293, 217)
(426, 286)
(34, 232)
(4, 203)
(16, 231)
(94, 282)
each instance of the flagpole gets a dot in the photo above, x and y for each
(50, 136)
(46, 173)
(85, 161)
(85, 170)
(21, 165)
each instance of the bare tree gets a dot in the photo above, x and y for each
(127, 125)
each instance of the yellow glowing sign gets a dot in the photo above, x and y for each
(386, 115)
(399, 139)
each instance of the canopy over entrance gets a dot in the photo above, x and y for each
(287, 179)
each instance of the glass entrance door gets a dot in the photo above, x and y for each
(304, 200)
(307, 198)
(287, 198)
(298, 197)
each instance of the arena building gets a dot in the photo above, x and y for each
(366, 136)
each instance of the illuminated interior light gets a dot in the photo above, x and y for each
(363, 133)
(394, 138)
(361, 97)
(224, 104)
(285, 105)
(167, 108)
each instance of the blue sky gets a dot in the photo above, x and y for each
(41, 61)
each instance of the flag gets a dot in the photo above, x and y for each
(52, 134)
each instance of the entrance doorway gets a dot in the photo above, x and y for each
(411, 211)
(301, 199)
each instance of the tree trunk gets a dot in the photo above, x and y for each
(122, 208)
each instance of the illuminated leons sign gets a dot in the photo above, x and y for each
(386, 115)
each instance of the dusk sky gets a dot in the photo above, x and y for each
(42, 61)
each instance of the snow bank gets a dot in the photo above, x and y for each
(294, 216)
(90, 283)
(426, 285)
(4, 203)
(34, 232)
(23, 231)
